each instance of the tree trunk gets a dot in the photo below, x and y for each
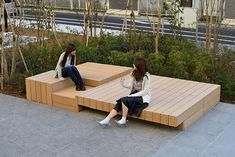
(2, 43)
(208, 38)
(158, 26)
(132, 16)
(196, 33)
(125, 20)
(216, 36)
(86, 22)
(102, 23)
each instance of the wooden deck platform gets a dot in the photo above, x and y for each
(175, 102)
(39, 88)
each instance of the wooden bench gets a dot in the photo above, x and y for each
(175, 102)
(45, 88)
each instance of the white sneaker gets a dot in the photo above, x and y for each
(104, 125)
(121, 125)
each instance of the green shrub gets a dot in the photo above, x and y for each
(203, 67)
(120, 58)
(89, 54)
(17, 82)
(177, 58)
(156, 64)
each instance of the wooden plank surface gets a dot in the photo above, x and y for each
(182, 100)
(169, 96)
(28, 89)
(40, 87)
(191, 120)
(189, 108)
(66, 98)
(174, 102)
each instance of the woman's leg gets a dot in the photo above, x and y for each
(124, 114)
(112, 114)
(78, 76)
(67, 71)
(124, 110)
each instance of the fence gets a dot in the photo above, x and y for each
(68, 4)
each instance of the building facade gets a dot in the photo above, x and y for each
(229, 9)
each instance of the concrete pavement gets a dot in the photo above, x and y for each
(30, 129)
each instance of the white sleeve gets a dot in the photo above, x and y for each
(145, 89)
(59, 67)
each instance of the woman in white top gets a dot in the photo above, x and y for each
(139, 97)
(66, 67)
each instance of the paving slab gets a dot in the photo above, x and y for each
(31, 129)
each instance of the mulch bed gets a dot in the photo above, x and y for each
(13, 92)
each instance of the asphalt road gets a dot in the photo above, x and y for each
(226, 37)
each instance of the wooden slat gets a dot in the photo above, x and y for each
(33, 90)
(184, 112)
(212, 99)
(66, 98)
(28, 89)
(173, 98)
(105, 93)
(181, 100)
(191, 120)
(44, 92)
(158, 100)
(109, 72)
(32, 87)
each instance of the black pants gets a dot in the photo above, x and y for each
(5, 19)
(74, 74)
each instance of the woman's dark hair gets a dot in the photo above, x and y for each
(70, 48)
(141, 68)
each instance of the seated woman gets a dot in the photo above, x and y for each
(139, 97)
(66, 67)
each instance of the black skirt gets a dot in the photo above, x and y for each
(135, 105)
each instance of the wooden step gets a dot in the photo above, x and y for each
(39, 88)
(66, 98)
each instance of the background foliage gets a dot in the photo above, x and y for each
(178, 58)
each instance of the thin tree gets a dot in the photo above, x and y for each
(2, 42)
(219, 16)
(15, 44)
(87, 13)
(103, 17)
(133, 16)
(124, 24)
(209, 22)
(158, 25)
